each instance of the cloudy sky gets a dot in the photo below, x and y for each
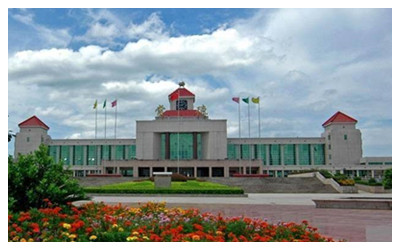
(305, 64)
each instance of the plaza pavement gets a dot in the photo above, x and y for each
(353, 225)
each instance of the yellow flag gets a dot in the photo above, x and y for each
(95, 105)
(255, 100)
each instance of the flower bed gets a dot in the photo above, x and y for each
(150, 222)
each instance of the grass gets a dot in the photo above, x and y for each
(191, 187)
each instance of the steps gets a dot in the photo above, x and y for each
(276, 185)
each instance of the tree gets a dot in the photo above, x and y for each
(387, 179)
(35, 177)
(160, 110)
(10, 135)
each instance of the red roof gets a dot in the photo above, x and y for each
(33, 122)
(339, 117)
(182, 113)
(181, 92)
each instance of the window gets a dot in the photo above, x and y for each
(345, 137)
(329, 146)
(27, 139)
(78, 155)
(289, 154)
(232, 152)
(304, 154)
(319, 154)
(275, 154)
(329, 137)
(105, 152)
(91, 155)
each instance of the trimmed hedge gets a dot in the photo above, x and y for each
(163, 191)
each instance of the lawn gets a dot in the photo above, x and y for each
(189, 187)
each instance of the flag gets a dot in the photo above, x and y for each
(95, 105)
(255, 100)
(236, 99)
(105, 103)
(113, 104)
(174, 96)
(246, 100)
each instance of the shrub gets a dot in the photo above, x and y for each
(387, 179)
(35, 178)
(178, 177)
(325, 173)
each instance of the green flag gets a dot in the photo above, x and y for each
(104, 104)
(246, 100)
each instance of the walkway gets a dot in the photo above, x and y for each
(354, 225)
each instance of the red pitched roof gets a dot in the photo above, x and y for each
(182, 113)
(33, 122)
(181, 92)
(340, 118)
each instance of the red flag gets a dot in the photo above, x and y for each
(113, 104)
(236, 99)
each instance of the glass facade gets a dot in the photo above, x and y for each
(91, 155)
(274, 154)
(262, 151)
(304, 154)
(131, 152)
(119, 152)
(65, 157)
(232, 152)
(78, 155)
(105, 152)
(185, 145)
(289, 154)
(53, 152)
(319, 154)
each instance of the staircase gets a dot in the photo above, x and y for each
(276, 185)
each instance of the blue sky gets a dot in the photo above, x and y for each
(305, 64)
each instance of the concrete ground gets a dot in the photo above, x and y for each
(353, 225)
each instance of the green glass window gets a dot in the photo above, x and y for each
(105, 152)
(65, 155)
(289, 154)
(185, 144)
(245, 151)
(304, 154)
(162, 149)
(53, 153)
(119, 152)
(232, 152)
(131, 152)
(199, 145)
(78, 155)
(274, 154)
(261, 153)
(91, 155)
(319, 154)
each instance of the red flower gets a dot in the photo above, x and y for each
(198, 227)
(89, 230)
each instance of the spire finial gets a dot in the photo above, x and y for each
(181, 84)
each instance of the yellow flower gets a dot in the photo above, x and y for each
(72, 236)
(66, 225)
(135, 233)
(131, 238)
(145, 237)
(93, 237)
(195, 237)
(45, 224)
(30, 240)
(23, 240)
(114, 225)
(120, 229)
(219, 233)
(16, 238)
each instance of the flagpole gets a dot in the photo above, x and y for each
(105, 119)
(115, 125)
(95, 125)
(240, 142)
(249, 135)
(259, 135)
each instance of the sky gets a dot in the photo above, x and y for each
(304, 64)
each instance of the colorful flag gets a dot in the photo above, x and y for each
(113, 104)
(246, 100)
(105, 103)
(255, 100)
(95, 105)
(236, 99)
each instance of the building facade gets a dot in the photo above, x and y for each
(183, 139)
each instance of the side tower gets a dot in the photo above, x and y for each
(343, 140)
(32, 132)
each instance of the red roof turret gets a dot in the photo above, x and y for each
(339, 117)
(33, 122)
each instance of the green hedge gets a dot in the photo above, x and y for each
(368, 183)
(163, 191)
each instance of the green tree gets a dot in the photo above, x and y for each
(387, 179)
(35, 177)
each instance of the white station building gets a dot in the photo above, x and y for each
(183, 139)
